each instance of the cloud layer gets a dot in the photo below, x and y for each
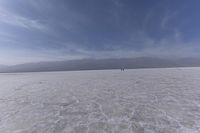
(44, 30)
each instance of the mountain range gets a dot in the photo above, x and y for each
(100, 64)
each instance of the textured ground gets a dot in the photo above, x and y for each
(110, 101)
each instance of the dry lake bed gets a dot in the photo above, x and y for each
(104, 101)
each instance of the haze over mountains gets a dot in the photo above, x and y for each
(2, 66)
(100, 64)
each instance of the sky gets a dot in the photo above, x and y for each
(50, 30)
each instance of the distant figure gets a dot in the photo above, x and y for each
(122, 69)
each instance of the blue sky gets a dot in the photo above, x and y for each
(48, 30)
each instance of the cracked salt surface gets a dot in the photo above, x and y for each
(110, 101)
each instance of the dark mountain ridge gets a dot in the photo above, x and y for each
(100, 64)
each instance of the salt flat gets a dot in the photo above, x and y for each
(105, 101)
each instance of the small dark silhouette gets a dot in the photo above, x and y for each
(122, 69)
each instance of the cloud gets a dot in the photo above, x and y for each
(36, 30)
(20, 21)
(118, 3)
(166, 49)
(167, 18)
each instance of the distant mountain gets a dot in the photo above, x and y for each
(2, 66)
(98, 64)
